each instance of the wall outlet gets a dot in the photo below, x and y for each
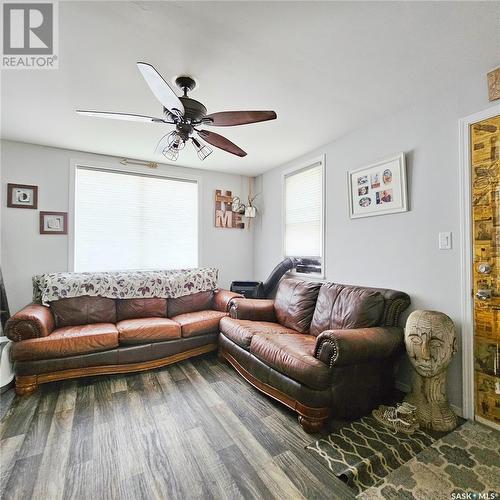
(445, 241)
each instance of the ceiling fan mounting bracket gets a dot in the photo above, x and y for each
(185, 83)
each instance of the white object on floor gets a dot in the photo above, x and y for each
(6, 373)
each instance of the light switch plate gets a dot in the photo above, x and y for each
(445, 241)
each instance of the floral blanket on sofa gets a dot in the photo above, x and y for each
(124, 284)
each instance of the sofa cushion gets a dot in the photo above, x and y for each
(241, 331)
(295, 302)
(199, 322)
(140, 308)
(189, 303)
(145, 330)
(68, 341)
(341, 307)
(293, 356)
(83, 311)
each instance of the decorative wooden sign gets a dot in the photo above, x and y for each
(224, 215)
(494, 84)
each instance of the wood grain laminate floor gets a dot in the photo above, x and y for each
(191, 430)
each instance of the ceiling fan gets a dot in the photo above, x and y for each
(187, 115)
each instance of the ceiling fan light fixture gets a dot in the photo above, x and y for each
(202, 150)
(174, 144)
(175, 141)
(170, 154)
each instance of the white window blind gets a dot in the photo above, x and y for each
(133, 221)
(304, 212)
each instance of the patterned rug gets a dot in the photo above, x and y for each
(364, 452)
(465, 461)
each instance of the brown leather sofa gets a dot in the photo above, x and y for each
(82, 336)
(324, 350)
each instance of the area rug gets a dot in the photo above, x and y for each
(462, 464)
(364, 452)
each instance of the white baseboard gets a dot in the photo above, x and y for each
(489, 423)
(457, 410)
(401, 386)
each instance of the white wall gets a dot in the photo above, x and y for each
(25, 252)
(397, 251)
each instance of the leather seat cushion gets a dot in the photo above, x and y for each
(141, 308)
(241, 331)
(68, 341)
(145, 330)
(293, 356)
(344, 307)
(199, 322)
(83, 311)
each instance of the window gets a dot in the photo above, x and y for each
(304, 216)
(132, 221)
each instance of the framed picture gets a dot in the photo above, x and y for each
(378, 189)
(22, 196)
(53, 223)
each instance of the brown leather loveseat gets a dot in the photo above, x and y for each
(82, 336)
(322, 349)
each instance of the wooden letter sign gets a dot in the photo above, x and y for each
(224, 215)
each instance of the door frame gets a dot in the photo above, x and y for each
(467, 303)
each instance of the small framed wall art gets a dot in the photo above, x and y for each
(22, 196)
(53, 223)
(378, 189)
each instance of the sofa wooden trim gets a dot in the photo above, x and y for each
(27, 384)
(311, 419)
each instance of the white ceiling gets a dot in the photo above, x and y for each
(326, 68)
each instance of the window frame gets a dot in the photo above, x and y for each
(162, 171)
(304, 165)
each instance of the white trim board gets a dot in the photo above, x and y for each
(488, 423)
(403, 387)
(467, 256)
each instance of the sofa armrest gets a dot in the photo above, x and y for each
(31, 322)
(223, 299)
(253, 309)
(348, 347)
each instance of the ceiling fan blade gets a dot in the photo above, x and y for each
(122, 116)
(221, 142)
(230, 118)
(160, 88)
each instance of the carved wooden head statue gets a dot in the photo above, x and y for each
(430, 341)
